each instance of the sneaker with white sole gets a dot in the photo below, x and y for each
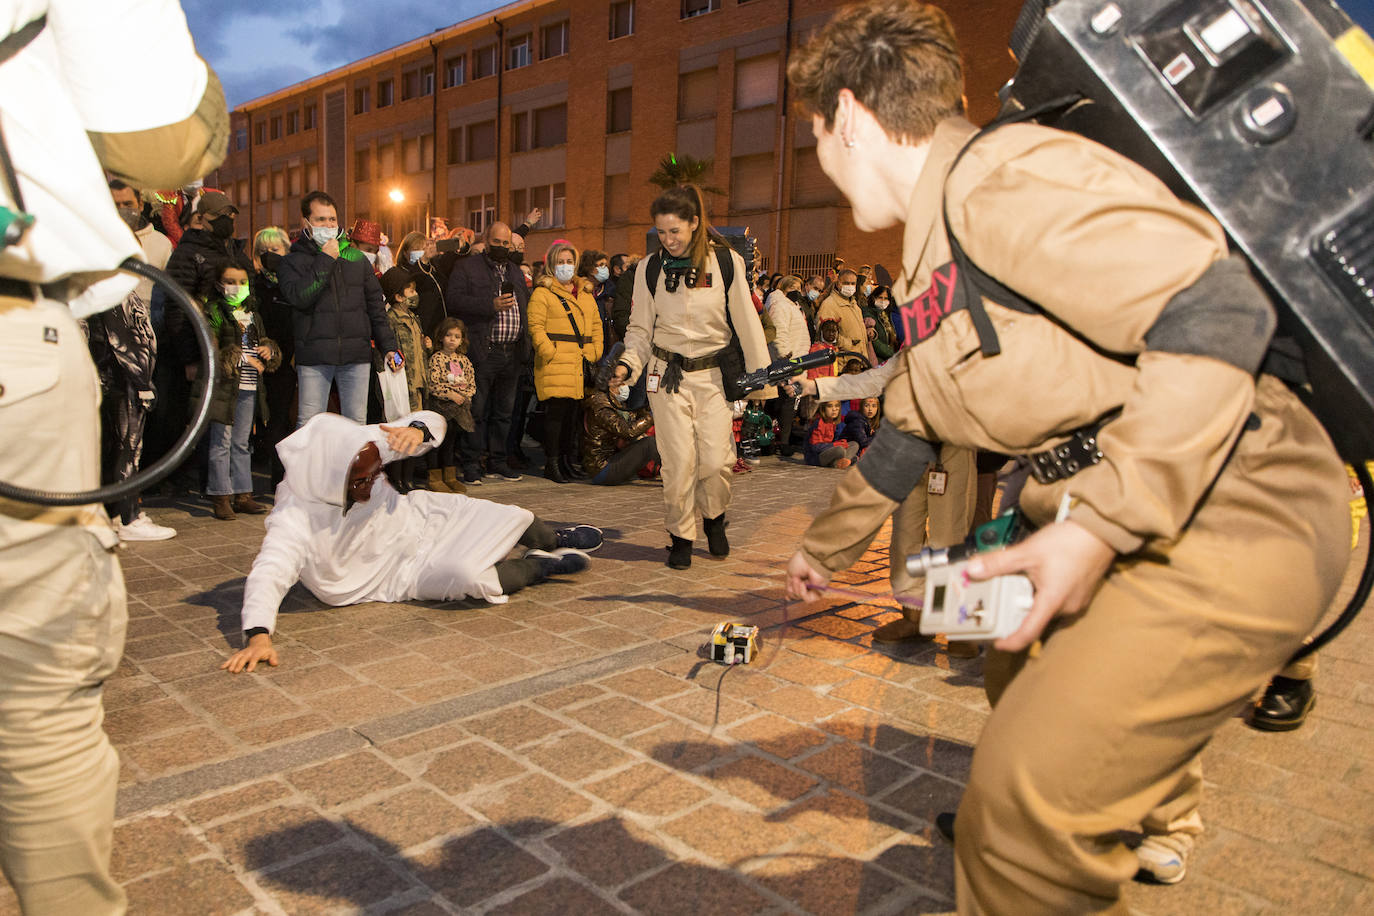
(1163, 859)
(142, 528)
(561, 562)
(579, 537)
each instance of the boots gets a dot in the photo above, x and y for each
(1285, 705)
(572, 468)
(245, 503)
(221, 508)
(680, 554)
(453, 481)
(553, 471)
(437, 484)
(716, 541)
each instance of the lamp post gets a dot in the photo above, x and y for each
(398, 197)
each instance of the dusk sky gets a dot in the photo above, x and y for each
(258, 47)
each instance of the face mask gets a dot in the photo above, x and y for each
(847, 291)
(622, 394)
(564, 272)
(868, 289)
(882, 303)
(517, 257)
(323, 235)
(812, 294)
(602, 274)
(415, 256)
(132, 218)
(498, 254)
(222, 226)
(371, 257)
(234, 294)
(270, 261)
(409, 302)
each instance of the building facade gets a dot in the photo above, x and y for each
(569, 106)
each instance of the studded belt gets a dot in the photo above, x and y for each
(1068, 458)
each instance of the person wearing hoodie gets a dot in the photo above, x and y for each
(339, 313)
(341, 529)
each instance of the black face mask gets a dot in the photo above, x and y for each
(222, 226)
(517, 257)
(270, 261)
(498, 254)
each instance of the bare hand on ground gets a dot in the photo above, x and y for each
(259, 649)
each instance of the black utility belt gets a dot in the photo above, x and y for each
(566, 338)
(1068, 458)
(688, 364)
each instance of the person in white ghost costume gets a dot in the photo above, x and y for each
(340, 528)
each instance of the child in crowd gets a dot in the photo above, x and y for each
(852, 367)
(861, 425)
(452, 384)
(401, 300)
(830, 335)
(825, 445)
(244, 352)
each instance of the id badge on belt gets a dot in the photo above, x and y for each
(651, 384)
(935, 485)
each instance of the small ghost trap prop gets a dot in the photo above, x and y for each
(734, 643)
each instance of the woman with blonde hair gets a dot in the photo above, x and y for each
(419, 257)
(681, 327)
(565, 331)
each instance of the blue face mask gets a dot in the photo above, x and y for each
(564, 272)
(602, 274)
(323, 235)
(415, 256)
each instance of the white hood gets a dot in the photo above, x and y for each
(317, 455)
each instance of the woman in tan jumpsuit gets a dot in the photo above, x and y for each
(1197, 551)
(677, 331)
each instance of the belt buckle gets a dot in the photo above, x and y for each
(1067, 459)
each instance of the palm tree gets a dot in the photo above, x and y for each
(674, 170)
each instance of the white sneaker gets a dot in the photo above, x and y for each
(143, 528)
(1164, 858)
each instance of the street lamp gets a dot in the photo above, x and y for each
(397, 197)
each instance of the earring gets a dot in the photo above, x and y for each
(850, 144)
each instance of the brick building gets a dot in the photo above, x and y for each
(569, 105)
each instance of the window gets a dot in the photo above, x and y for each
(518, 200)
(622, 19)
(481, 141)
(692, 8)
(427, 152)
(519, 132)
(550, 126)
(242, 193)
(481, 212)
(293, 181)
(756, 82)
(618, 110)
(484, 62)
(312, 175)
(362, 165)
(410, 85)
(386, 160)
(617, 198)
(309, 117)
(386, 91)
(293, 122)
(410, 155)
(696, 94)
(810, 185)
(455, 71)
(518, 53)
(553, 40)
(455, 145)
(264, 189)
(427, 80)
(276, 127)
(278, 185)
(260, 133)
(550, 199)
(752, 180)
(241, 138)
(362, 100)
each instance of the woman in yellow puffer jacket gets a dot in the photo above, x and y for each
(565, 329)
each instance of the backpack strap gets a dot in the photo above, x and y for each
(653, 266)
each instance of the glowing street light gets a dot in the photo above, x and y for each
(397, 196)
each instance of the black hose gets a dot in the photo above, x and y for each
(1362, 588)
(172, 460)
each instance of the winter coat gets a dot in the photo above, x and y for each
(192, 265)
(885, 337)
(229, 352)
(410, 340)
(430, 280)
(558, 353)
(853, 334)
(820, 436)
(452, 375)
(793, 339)
(858, 428)
(337, 303)
(473, 287)
(610, 429)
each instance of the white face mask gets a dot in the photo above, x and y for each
(415, 256)
(622, 394)
(564, 272)
(323, 235)
(812, 294)
(847, 290)
(371, 257)
(868, 289)
(602, 274)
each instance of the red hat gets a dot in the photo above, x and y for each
(365, 230)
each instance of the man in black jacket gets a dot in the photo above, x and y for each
(338, 312)
(488, 293)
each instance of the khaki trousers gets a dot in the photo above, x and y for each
(697, 446)
(62, 623)
(1102, 730)
(949, 515)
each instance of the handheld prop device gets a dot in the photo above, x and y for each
(783, 369)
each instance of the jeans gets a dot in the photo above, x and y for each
(230, 469)
(497, 372)
(625, 464)
(313, 391)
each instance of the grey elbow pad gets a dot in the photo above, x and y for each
(1224, 315)
(895, 461)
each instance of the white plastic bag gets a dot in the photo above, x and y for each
(395, 394)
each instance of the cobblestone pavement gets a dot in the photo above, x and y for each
(568, 753)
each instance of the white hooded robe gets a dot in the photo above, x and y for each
(393, 547)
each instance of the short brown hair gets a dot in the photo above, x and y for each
(898, 57)
(448, 324)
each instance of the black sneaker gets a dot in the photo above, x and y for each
(508, 473)
(472, 478)
(579, 537)
(561, 562)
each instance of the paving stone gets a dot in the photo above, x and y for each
(645, 684)
(690, 890)
(120, 694)
(468, 766)
(206, 888)
(268, 837)
(427, 740)
(236, 801)
(648, 789)
(558, 897)
(684, 746)
(824, 647)
(729, 836)
(568, 696)
(354, 705)
(808, 672)
(925, 858)
(1195, 895)
(610, 852)
(151, 844)
(708, 707)
(157, 756)
(822, 883)
(147, 720)
(855, 767)
(313, 679)
(349, 878)
(344, 779)
(1290, 882)
(617, 716)
(575, 757)
(283, 729)
(847, 823)
(513, 726)
(515, 805)
(473, 867)
(760, 782)
(799, 704)
(925, 796)
(777, 736)
(407, 818)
